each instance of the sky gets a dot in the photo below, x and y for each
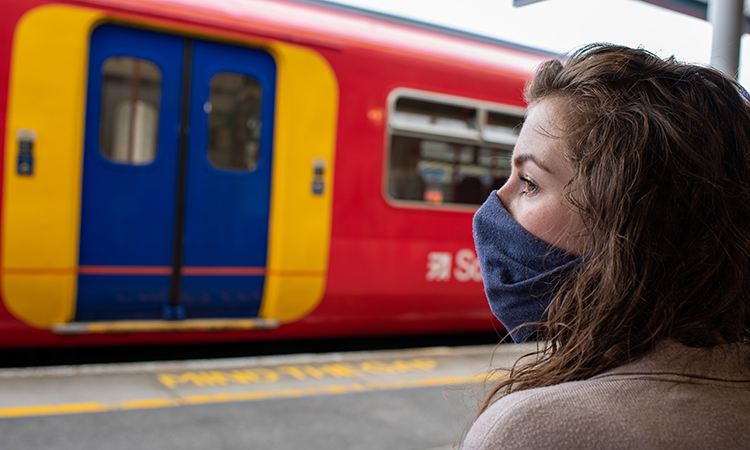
(562, 25)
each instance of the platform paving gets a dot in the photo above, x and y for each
(419, 399)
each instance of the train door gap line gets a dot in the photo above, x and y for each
(175, 311)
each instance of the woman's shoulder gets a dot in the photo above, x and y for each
(548, 417)
(664, 400)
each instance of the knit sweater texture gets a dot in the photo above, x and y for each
(675, 397)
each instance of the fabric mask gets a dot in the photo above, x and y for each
(521, 274)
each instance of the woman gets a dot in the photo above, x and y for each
(622, 239)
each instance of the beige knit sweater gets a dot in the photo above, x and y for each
(673, 398)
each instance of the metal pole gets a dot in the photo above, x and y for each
(726, 16)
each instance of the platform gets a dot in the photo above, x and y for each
(418, 399)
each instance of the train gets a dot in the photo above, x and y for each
(182, 171)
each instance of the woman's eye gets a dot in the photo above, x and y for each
(529, 186)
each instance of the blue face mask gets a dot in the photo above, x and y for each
(521, 274)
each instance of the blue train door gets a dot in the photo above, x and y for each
(176, 178)
(228, 180)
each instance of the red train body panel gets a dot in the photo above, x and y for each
(395, 263)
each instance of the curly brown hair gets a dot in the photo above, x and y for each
(661, 152)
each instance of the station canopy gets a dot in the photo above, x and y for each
(694, 8)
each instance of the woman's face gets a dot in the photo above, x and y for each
(534, 193)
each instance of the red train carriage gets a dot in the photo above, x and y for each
(180, 170)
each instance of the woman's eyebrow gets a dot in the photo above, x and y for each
(518, 160)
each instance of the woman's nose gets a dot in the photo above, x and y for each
(503, 194)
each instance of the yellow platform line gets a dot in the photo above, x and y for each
(97, 407)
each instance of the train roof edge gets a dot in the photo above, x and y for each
(456, 32)
(348, 24)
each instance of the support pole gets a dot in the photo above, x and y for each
(726, 16)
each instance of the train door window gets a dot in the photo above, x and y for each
(447, 150)
(234, 121)
(131, 93)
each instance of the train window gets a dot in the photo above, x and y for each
(433, 117)
(234, 121)
(131, 92)
(501, 128)
(445, 153)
